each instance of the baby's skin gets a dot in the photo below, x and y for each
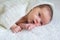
(38, 16)
(16, 28)
(22, 24)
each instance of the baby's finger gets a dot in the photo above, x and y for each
(24, 26)
(17, 29)
(31, 27)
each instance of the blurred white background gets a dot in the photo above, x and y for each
(52, 32)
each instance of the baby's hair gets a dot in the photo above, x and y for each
(49, 6)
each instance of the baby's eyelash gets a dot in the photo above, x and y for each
(32, 21)
(26, 21)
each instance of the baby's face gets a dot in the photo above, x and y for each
(39, 15)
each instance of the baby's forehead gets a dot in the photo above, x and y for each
(48, 7)
(45, 8)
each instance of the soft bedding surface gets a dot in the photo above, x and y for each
(50, 31)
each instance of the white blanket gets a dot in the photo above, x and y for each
(50, 31)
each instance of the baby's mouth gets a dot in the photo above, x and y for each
(35, 22)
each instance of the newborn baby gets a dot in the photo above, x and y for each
(38, 16)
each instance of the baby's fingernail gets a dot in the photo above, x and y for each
(29, 28)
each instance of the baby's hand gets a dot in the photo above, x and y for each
(27, 26)
(31, 26)
(15, 28)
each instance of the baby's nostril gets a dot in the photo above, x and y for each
(41, 23)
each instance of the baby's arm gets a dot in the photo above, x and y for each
(22, 24)
(15, 27)
(18, 28)
(27, 26)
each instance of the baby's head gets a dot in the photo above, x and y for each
(41, 14)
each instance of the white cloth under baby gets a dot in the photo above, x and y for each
(50, 31)
(13, 11)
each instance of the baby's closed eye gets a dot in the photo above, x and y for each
(39, 14)
(26, 21)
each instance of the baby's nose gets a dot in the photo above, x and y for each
(37, 21)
